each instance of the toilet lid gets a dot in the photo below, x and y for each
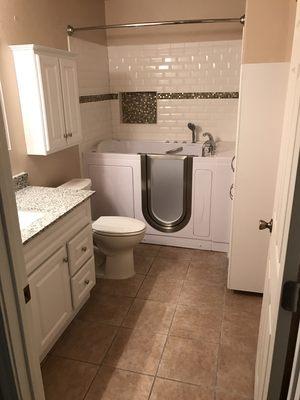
(118, 225)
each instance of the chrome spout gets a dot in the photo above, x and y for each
(209, 146)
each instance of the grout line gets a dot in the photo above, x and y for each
(219, 346)
(168, 335)
(112, 342)
(75, 359)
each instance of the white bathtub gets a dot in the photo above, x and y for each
(114, 167)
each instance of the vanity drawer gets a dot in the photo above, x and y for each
(83, 282)
(80, 249)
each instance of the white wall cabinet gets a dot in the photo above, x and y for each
(61, 273)
(49, 98)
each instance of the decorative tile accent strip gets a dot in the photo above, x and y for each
(163, 96)
(139, 107)
(198, 95)
(20, 181)
(98, 97)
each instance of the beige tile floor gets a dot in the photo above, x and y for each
(172, 332)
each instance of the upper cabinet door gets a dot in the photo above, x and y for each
(48, 90)
(70, 93)
(52, 103)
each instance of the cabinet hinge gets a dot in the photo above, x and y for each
(27, 294)
(290, 296)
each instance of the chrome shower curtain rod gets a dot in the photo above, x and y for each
(71, 29)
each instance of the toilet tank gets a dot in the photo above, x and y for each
(78, 184)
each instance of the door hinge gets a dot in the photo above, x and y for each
(27, 294)
(290, 296)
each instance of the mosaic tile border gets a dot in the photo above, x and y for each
(98, 97)
(138, 107)
(20, 181)
(164, 96)
(197, 95)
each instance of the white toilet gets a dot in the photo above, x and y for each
(115, 236)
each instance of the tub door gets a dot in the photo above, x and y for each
(166, 191)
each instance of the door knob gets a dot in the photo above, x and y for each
(266, 225)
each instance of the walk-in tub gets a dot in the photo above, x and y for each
(184, 198)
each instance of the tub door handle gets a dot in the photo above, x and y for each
(231, 192)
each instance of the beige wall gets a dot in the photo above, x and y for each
(268, 31)
(41, 22)
(121, 11)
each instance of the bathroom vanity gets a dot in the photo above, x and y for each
(58, 249)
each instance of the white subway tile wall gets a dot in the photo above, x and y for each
(93, 78)
(178, 67)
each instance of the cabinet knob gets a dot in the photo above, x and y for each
(84, 249)
(65, 259)
(86, 281)
(65, 135)
(70, 134)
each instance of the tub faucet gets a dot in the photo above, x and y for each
(192, 127)
(209, 146)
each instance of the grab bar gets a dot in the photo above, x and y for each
(174, 151)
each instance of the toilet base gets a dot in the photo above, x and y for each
(120, 265)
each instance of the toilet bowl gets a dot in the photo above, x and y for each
(115, 237)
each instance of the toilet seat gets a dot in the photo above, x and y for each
(118, 226)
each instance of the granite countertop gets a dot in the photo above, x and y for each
(40, 207)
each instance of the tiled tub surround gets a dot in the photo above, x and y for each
(141, 107)
(173, 331)
(93, 78)
(50, 203)
(178, 68)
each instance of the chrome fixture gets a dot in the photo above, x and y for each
(174, 151)
(71, 29)
(266, 225)
(209, 146)
(167, 190)
(192, 127)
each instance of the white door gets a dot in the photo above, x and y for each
(70, 92)
(54, 123)
(50, 299)
(290, 145)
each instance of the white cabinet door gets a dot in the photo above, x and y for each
(52, 102)
(70, 99)
(50, 299)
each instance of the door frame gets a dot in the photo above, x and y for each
(294, 389)
(17, 316)
(285, 338)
